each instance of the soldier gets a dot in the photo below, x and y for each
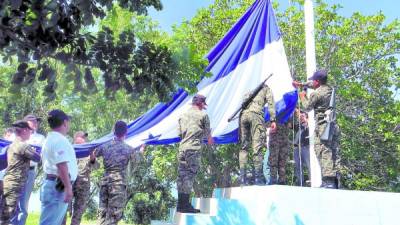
(194, 127)
(9, 136)
(19, 155)
(37, 140)
(116, 155)
(252, 130)
(81, 187)
(279, 152)
(326, 151)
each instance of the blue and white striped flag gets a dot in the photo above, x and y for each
(250, 51)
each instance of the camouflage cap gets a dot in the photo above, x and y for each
(21, 124)
(319, 75)
(198, 98)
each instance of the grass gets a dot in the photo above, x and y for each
(33, 219)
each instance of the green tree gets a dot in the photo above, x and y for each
(360, 55)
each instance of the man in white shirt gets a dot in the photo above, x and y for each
(60, 170)
(35, 140)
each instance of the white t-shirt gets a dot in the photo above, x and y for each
(37, 140)
(57, 149)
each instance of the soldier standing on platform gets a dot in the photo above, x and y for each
(279, 152)
(253, 131)
(116, 155)
(194, 127)
(19, 155)
(326, 150)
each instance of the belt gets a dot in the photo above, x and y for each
(31, 167)
(51, 177)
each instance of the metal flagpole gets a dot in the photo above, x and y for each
(316, 179)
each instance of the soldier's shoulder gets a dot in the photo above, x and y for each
(19, 145)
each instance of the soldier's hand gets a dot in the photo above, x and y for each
(68, 194)
(142, 148)
(92, 156)
(302, 94)
(210, 140)
(273, 127)
(296, 84)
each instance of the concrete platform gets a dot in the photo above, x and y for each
(278, 205)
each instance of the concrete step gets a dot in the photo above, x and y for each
(278, 204)
(160, 222)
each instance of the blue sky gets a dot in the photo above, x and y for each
(176, 11)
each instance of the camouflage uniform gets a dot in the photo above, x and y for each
(19, 155)
(252, 127)
(81, 189)
(326, 151)
(116, 155)
(194, 126)
(279, 152)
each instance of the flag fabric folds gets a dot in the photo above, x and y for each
(248, 53)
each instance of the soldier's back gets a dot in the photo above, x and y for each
(18, 163)
(259, 101)
(324, 96)
(193, 125)
(116, 155)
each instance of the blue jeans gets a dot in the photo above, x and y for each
(22, 214)
(53, 205)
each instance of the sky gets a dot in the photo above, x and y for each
(176, 11)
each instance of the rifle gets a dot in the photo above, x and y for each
(249, 99)
(330, 117)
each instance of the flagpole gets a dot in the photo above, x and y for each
(311, 68)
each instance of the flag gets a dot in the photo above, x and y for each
(249, 52)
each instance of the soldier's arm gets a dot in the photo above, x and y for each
(93, 162)
(309, 104)
(137, 154)
(98, 151)
(31, 153)
(271, 104)
(207, 129)
(180, 133)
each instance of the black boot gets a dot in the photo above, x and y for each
(259, 178)
(242, 177)
(329, 182)
(184, 205)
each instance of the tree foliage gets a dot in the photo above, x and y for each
(37, 32)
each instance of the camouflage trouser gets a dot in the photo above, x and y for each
(327, 152)
(252, 130)
(188, 166)
(12, 193)
(112, 201)
(278, 156)
(81, 197)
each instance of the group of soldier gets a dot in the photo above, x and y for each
(194, 127)
(66, 178)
